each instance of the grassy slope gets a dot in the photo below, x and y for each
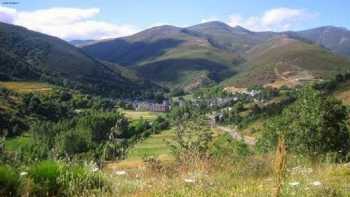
(189, 67)
(134, 115)
(156, 146)
(254, 177)
(31, 55)
(10, 104)
(287, 55)
(168, 56)
(27, 86)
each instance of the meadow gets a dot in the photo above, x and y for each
(27, 86)
(146, 115)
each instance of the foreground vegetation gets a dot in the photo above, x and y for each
(65, 143)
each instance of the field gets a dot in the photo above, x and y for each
(251, 176)
(155, 146)
(26, 86)
(12, 144)
(134, 115)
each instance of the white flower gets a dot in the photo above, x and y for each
(316, 183)
(120, 173)
(294, 183)
(23, 173)
(95, 169)
(189, 180)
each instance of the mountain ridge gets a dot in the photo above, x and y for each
(215, 52)
(29, 55)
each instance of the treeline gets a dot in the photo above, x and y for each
(66, 124)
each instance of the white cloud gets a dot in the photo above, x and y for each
(7, 15)
(210, 19)
(66, 23)
(277, 19)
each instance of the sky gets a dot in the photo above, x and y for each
(102, 19)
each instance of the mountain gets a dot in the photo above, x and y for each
(28, 55)
(169, 56)
(214, 52)
(221, 35)
(336, 39)
(287, 61)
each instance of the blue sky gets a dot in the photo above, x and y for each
(120, 18)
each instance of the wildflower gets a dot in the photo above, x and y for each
(92, 166)
(23, 173)
(189, 180)
(294, 183)
(120, 173)
(316, 183)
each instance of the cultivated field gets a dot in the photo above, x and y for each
(26, 86)
(134, 115)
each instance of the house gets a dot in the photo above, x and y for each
(151, 106)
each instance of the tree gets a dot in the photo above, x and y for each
(75, 141)
(314, 124)
(192, 137)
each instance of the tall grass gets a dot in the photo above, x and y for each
(280, 165)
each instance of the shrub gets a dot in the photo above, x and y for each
(313, 125)
(75, 141)
(9, 181)
(159, 124)
(100, 124)
(192, 137)
(45, 178)
(50, 178)
(226, 147)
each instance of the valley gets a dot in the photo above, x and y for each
(211, 109)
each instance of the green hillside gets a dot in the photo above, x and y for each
(28, 55)
(286, 59)
(214, 53)
(169, 56)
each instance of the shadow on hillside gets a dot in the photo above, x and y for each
(122, 52)
(172, 69)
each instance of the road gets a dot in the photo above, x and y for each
(237, 136)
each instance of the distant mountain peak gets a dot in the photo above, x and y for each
(212, 24)
(164, 28)
(241, 29)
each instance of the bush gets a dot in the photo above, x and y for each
(75, 141)
(313, 125)
(45, 178)
(192, 137)
(9, 181)
(226, 147)
(160, 124)
(100, 124)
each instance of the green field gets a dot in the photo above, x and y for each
(12, 144)
(134, 115)
(156, 145)
(26, 86)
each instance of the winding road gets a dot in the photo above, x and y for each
(237, 136)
